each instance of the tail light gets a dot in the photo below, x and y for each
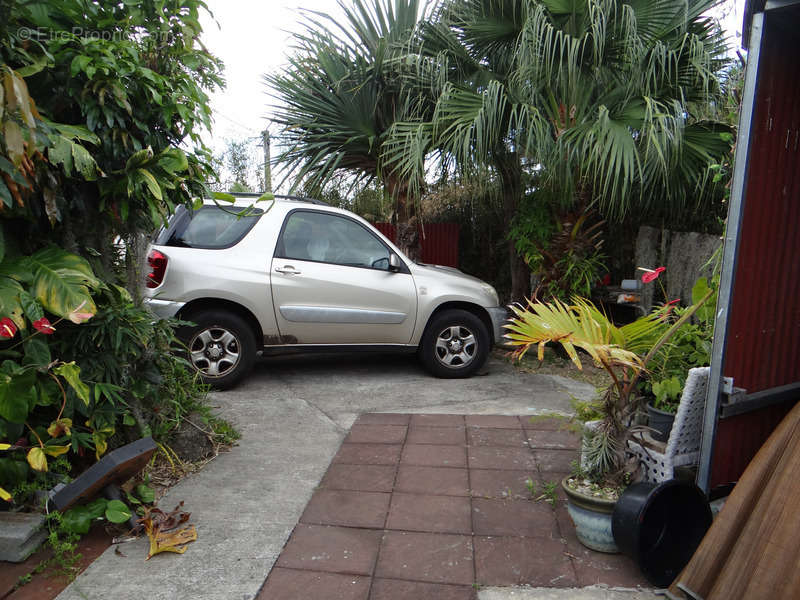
(158, 264)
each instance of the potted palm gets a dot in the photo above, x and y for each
(624, 353)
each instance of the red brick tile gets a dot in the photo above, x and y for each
(539, 562)
(426, 557)
(289, 584)
(496, 457)
(331, 549)
(500, 421)
(351, 509)
(383, 419)
(493, 483)
(436, 481)
(392, 589)
(568, 440)
(544, 423)
(522, 518)
(553, 478)
(555, 461)
(364, 478)
(450, 436)
(438, 514)
(593, 568)
(488, 436)
(368, 454)
(424, 455)
(376, 434)
(437, 420)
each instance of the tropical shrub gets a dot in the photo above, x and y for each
(97, 104)
(563, 249)
(690, 347)
(624, 352)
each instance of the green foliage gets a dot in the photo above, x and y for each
(564, 250)
(64, 544)
(342, 92)
(609, 103)
(624, 352)
(134, 365)
(97, 104)
(689, 347)
(667, 393)
(118, 88)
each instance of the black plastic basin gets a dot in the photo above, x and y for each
(660, 526)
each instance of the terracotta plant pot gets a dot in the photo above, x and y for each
(592, 518)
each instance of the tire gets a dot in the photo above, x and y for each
(220, 346)
(455, 344)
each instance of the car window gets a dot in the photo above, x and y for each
(330, 238)
(209, 227)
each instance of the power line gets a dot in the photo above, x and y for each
(227, 118)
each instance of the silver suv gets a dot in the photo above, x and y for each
(290, 275)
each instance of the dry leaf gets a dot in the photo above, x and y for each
(159, 525)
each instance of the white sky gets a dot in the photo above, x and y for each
(253, 38)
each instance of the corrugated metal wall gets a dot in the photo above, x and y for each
(763, 346)
(439, 244)
(764, 332)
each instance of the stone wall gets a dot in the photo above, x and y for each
(685, 255)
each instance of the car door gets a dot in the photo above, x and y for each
(332, 283)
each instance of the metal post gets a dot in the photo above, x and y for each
(267, 170)
(730, 250)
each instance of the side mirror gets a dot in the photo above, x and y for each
(395, 264)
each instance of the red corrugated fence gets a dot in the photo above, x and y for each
(438, 242)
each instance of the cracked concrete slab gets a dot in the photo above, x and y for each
(293, 414)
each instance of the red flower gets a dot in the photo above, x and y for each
(673, 302)
(652, 275)
(7, 328)
(43, 326)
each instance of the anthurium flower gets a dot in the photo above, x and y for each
(43, 326)
(7, 328)
(76, 316)
(652, 275)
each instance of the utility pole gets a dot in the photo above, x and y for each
(267, 170)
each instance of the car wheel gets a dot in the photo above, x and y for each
(455, 344)
(220, 346)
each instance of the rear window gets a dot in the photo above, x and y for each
(210, 227)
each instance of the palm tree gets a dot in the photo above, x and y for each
(340, 95)
(594, 97)
(623, 352)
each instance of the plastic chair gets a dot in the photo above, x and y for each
(683, 445)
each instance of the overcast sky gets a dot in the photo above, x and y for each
(253, 37)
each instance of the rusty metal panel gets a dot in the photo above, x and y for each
(763, 348)
(739, 438)
(763, 340)
(387, 229)
(439, 243)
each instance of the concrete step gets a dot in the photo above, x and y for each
(20, 535)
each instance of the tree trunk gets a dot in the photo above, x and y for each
(407, 238)
(510, 170)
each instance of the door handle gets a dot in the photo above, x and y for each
(287, 270)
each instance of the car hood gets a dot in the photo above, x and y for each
(449, 281)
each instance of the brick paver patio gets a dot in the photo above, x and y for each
(424, 507)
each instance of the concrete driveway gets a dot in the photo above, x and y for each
(293, 414)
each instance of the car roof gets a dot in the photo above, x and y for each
(248, 198)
